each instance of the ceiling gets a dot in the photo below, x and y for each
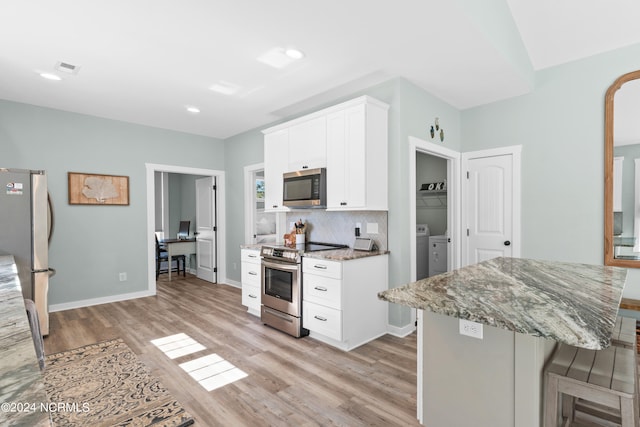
(144, 61)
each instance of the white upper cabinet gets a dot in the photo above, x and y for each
(308, 145)
(349, 139)
(276, 162)
(357, 158)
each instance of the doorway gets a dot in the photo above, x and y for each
(219, 177)
(441, 208)
(260, 226)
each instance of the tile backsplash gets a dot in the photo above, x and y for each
(339, 227)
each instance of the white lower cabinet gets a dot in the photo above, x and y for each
(251, 280)
(340, 300)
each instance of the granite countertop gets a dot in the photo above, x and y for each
(346, 254)
(575, 304)
(20, 378)
(342, 254)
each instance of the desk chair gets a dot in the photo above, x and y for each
(163, 256)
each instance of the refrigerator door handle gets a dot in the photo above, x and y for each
(40, 242)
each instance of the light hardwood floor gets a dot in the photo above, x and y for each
(290, 381)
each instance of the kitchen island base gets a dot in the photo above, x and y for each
(494, 381)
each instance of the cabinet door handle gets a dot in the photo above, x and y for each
(320, 318)
(320, 266)
(274, 206)
(320, 288)
(305, 167)
(253, 273)
(343, 203)
(252, 296)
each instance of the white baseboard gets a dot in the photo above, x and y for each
(401, 331)
(115, 298)
(233, 283)
(97, 301)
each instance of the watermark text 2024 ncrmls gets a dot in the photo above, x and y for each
(44, 407)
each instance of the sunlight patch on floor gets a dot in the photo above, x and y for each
(212, 371)
(178, 345)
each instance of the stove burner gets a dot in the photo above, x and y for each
(293, 255)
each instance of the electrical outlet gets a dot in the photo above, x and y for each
(471, 329)
(123, 277)
(372, 228)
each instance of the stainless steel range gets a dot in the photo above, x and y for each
(282, 286)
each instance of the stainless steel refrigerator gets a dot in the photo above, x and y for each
(25, 225)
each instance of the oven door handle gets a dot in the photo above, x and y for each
(281, 266)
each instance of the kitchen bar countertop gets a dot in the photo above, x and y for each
(575, 304)
(21, 382)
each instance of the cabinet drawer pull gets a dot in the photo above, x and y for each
(252, 256)
(343, 203)
(252, 296)
(320, 266)
(320, 318)
(253, 273)
(320, 288)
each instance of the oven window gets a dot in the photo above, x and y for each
(278, 283)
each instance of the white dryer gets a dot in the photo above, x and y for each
(422, 251)
(437, 255)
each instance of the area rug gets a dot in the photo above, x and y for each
(105, 384)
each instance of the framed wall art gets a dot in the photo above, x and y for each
(97, 189)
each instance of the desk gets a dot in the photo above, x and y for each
(179, 247)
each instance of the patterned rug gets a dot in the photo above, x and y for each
(105, 384)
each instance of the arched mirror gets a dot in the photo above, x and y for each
(622, 172)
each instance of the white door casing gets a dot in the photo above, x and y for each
(453, 222)
(206, 229)
(491, 199)
(151, 168)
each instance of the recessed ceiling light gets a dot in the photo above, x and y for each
(279, 58)
(50, 76)
(294, 53)
(225, 88)
(192, 109)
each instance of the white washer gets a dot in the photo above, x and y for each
(422, 251)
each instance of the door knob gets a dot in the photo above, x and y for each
(507, 243)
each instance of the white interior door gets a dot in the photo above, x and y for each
(206, 229)
(491, 205)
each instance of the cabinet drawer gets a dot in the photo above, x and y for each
(251, 297)
(250, 255)
(322, 267)
(322, 290)
(323, 320)
(251, 274)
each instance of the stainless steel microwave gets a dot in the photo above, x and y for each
(306, 188)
